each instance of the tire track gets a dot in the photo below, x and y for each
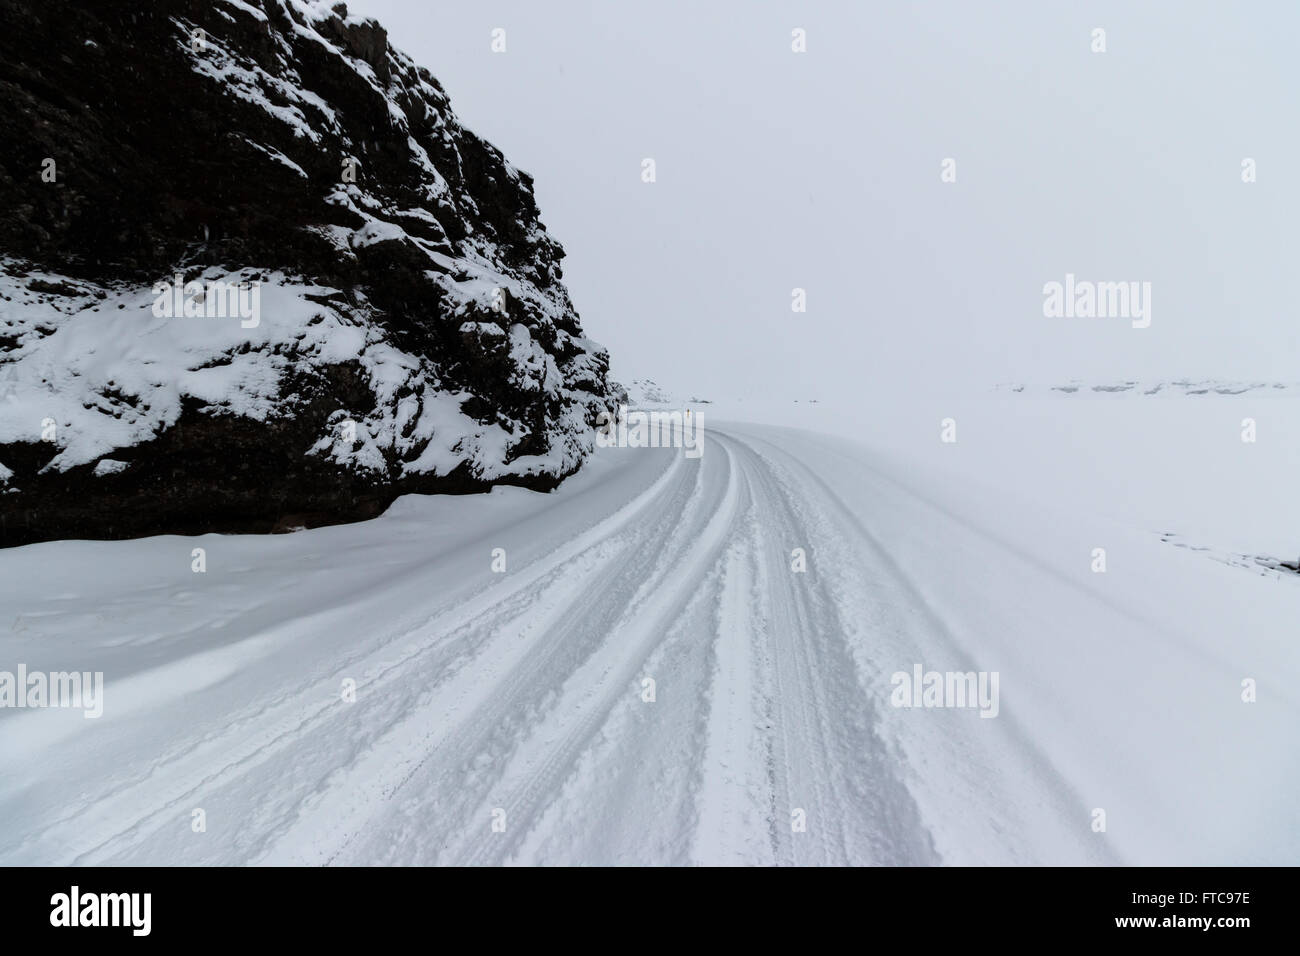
(835, 765)
(116, 820)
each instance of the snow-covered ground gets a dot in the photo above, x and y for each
(501, 716)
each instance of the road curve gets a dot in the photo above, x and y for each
(656, 679)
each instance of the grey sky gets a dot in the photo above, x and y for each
(822, 170)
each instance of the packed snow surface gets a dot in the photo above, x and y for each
(504, 716)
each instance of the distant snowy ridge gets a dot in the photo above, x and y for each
(1175, 387)
(646, 391)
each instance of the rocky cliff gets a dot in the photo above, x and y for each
(254, 274)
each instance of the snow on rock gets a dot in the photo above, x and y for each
(108, 466)
(412, 332)
(645, 391)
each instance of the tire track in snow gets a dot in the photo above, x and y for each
(817, 716)
(898, 606)
(829, 760)
(734, 811)
(629, 620)
(524, 695)
(112, 822)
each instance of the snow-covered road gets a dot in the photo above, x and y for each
(508, 716)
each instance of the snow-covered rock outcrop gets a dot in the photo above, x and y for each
(645, 391)
(254, 273)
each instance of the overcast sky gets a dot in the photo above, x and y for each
(821, 170)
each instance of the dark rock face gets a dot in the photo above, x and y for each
(412, 332)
